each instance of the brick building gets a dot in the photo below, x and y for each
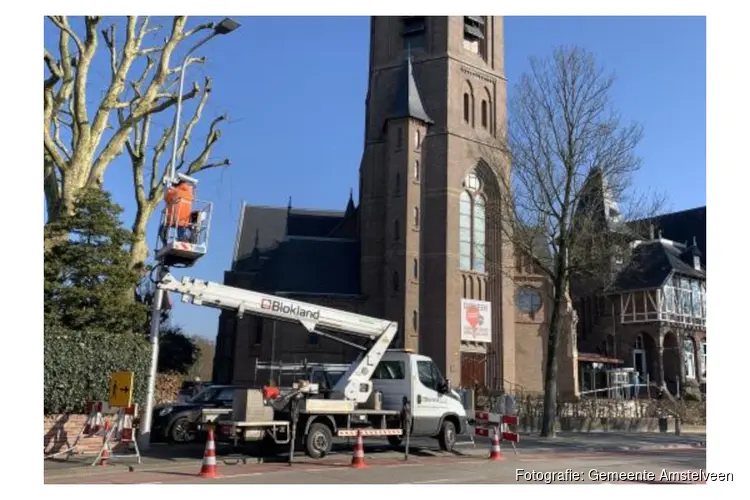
(651, 315)
(416, 246)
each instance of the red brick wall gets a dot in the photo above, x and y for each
(61, 431)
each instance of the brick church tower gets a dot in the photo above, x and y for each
(421, 246)
(436, 101)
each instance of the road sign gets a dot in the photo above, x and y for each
(121, 389)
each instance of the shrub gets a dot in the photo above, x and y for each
(78, 365)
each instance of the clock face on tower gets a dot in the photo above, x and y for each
(528, 300)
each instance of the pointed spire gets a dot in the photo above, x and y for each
(408, 102)
(350, 205)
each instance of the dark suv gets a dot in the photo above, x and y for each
(178, 422)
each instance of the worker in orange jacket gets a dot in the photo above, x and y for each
(179, 200)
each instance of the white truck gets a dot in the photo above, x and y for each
(384, 392)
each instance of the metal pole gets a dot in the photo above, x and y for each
(273, 354)
(144, 429)
(185, 63)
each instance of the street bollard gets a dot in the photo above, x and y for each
(406, 420)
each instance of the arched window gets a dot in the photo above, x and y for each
(414, 320)
(464, 232)
(396, 230)
(417, 139)
(396, 284)
(479, 234)
(416, 216)
(415, 269)
(397, 186)
(485, 114)
(416, 170)
(467, 102)
(472, 226)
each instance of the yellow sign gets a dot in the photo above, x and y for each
(121, 389)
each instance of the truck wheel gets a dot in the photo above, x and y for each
(395, 440)
(318, 441)
(447, 436)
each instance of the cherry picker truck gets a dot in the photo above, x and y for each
(385, 392)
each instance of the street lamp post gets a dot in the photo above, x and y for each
(144, 439)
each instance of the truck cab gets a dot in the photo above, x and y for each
(436, 409)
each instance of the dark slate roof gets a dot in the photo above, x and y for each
(288, 249)
(261, 228)
(311, 223)
(650, 264)
(264, 227)
(408, 102)
(682, 227)
(320, 266)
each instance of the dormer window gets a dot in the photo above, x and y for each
(696, 262)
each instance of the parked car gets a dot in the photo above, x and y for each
(178, 422)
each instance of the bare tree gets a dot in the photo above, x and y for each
(566, 162)
(79, 148)
(147, 160)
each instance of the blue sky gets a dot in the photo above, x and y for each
(294, 89)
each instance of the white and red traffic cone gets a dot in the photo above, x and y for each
(104, 457)
(495, 446)
(208, 468)
(358, 458)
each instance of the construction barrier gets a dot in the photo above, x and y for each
(119, 432)
(485, 423)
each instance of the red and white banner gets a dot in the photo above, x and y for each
(369, 432)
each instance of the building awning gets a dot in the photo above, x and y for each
(589, 357)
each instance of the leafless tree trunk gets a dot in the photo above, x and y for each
(571, 161)
(78, 148)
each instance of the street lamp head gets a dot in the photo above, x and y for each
(226, 26)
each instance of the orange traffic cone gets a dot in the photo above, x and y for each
(495, 447)
(104, 458)
(208, 469)
(358, 459)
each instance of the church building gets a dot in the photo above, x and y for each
(416, 246)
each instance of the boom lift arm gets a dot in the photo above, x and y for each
(355, 385)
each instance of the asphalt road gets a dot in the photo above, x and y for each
(645, 466)
(420, 447)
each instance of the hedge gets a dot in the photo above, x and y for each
(77, 367)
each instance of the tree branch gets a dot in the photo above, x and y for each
(213, 136)
(62, 23)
